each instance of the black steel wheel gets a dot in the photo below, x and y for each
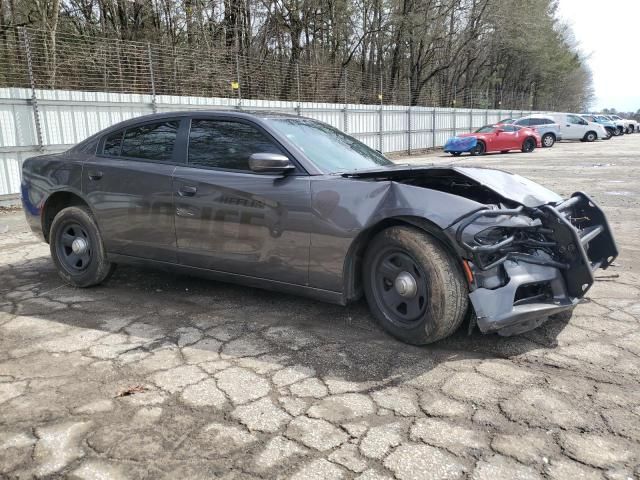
(548, 140)
(77, 249)
(528, 145)
(73, 247)
(414, 287)
(479, 149)
(399, 287)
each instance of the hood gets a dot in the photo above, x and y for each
(509, 186)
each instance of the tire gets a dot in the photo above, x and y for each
(456, 154)
(529, 145)
(629, 130)
(590, 137)
(479, 149)
(620, 130)
(440, 299)
(78, 267)
(548, 140)
(610, 133)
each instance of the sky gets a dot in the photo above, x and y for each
(608, 32)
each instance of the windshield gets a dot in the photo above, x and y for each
(485, 129)
(327, 147)
(616, 117)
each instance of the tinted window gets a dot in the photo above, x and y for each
(509, 128)
(575, 120)
(112, 144)
(153, 141)
(226, 144)
(327, 147)
(525, 122)
(486, 129)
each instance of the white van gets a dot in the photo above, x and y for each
(574, 127)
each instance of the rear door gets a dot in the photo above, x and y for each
(128, 184)
(231, 219)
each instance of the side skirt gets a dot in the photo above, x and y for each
(327, 296)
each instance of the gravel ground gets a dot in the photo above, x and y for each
(155, 375)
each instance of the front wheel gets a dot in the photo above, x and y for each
(528, 145)
(414, 287)
(479, 149)
(548, 140)
(77, 249)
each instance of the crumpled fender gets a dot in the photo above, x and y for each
(343, 213)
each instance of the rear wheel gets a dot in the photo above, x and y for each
(414, 287)
(77, 249)
(548, 140)
(528, 145)
(629, 130)
(479, 149)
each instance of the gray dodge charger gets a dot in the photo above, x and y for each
(292, 204)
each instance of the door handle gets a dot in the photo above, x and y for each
(187, 191)
(94, 175)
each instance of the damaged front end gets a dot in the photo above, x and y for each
(529, 262)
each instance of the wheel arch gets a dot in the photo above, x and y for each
(352, 270)
(56, 202)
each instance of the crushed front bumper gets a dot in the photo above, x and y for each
(540, 267)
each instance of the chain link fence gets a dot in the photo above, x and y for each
(75, 62)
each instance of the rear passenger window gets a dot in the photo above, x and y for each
(226, 144)
(524, 122)
(112, 144)
(153, 141)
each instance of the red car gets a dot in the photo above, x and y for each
(499, 138)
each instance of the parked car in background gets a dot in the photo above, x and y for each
(621, 126)
(630, 126)
(608, 125)
(292, 204)
(574, 127)
(494, 138)
(547, 127)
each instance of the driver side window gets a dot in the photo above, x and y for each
(226, 144)
(575, 120)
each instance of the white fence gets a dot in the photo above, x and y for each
(58, 119)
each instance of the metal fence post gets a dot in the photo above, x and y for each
(298, 108)
(433, 128)
(154, 104)
(34, 98)
(455, 114)
(380, 122)
(409, 130)
(486, 116)
(345, 111)
(471, 119)
(239, 104)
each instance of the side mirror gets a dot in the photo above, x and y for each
(270, 163)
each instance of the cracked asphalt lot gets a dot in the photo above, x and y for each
(156, 375)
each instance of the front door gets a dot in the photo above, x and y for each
(233, 220)
(129, 187)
